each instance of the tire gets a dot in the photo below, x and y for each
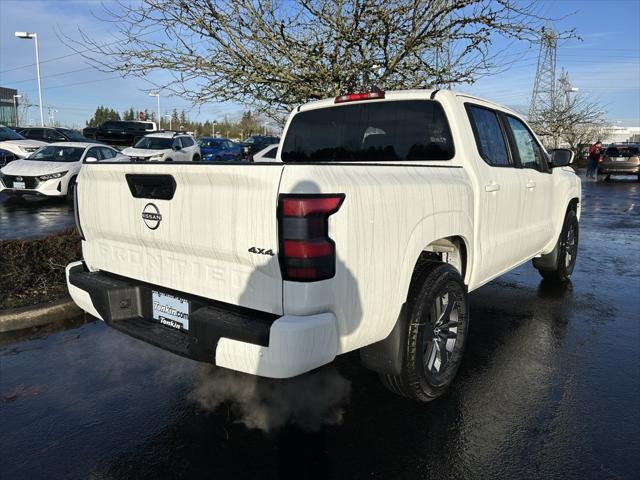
(565, 251)
(196, 158)
(607, 178)
(217, 158)
(71, 189)
(433, 320)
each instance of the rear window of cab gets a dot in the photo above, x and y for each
(370, 132)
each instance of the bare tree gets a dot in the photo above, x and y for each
(273, 54)
(575, 121)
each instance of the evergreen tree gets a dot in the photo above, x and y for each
(101, 115)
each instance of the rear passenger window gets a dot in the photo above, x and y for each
(489, 137)
(526, 146)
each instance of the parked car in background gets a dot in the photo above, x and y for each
(165, 147)
(15, 143)
(6, 156)
(89, 132)
(267, 154)
(52, 170)
(255, 143)
(122, 133)
(219, 149)
(51, 135)
(620, 160)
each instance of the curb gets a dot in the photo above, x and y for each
(37, 315)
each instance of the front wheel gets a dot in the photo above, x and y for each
(558, 265)
(438, 322)
(71, 188)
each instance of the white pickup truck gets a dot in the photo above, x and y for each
(378, 216)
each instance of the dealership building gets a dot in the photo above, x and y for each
(8, 107)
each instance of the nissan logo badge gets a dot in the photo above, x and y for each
(151, 216)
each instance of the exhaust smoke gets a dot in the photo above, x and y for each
(308, 401)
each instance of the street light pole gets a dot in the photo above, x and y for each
(213, 134)
(157, 95)
(15, 108)
(27, 35)
(169, 117)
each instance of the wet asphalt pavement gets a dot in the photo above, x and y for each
(549, 388)
(32, 217)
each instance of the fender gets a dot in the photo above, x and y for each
(429, 229)
(455, 223)
(572, 197)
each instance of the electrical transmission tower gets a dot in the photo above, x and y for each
(544, 87)
(565, 89)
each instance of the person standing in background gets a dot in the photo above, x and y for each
(592, 160)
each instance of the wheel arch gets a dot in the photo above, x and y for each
(447, 237)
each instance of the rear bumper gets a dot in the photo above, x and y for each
(237, 338)
(618, 169)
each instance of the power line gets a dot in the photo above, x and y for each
(53, 75)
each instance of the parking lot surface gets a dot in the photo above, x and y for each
(33, 217)
(549, 388)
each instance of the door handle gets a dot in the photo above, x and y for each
(531, 184)
(492, 187)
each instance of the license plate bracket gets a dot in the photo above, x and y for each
(170, 310)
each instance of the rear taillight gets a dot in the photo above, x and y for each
(307, 254)
(76, 213)
(354, 97)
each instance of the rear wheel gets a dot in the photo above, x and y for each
(196, 158)
(436, 334)
(565, 252)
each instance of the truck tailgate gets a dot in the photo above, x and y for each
(198, 240)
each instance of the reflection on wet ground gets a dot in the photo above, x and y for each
(31, 217)
(549, 388)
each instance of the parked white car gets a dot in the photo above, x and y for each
(165, 147)
(385, 210)
(267, 154)
(18, 145)
(52, 170)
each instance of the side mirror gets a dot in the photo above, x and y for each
(176, 147)
(561, 157)
(90, 159)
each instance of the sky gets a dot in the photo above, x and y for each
(604, 63)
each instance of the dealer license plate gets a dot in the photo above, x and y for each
(170, 310)
(19, 185)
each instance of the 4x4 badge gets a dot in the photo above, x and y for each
(261, 251)
(151, 216)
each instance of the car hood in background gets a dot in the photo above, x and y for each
(25, 143)
(33, 168)
(143, 152)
